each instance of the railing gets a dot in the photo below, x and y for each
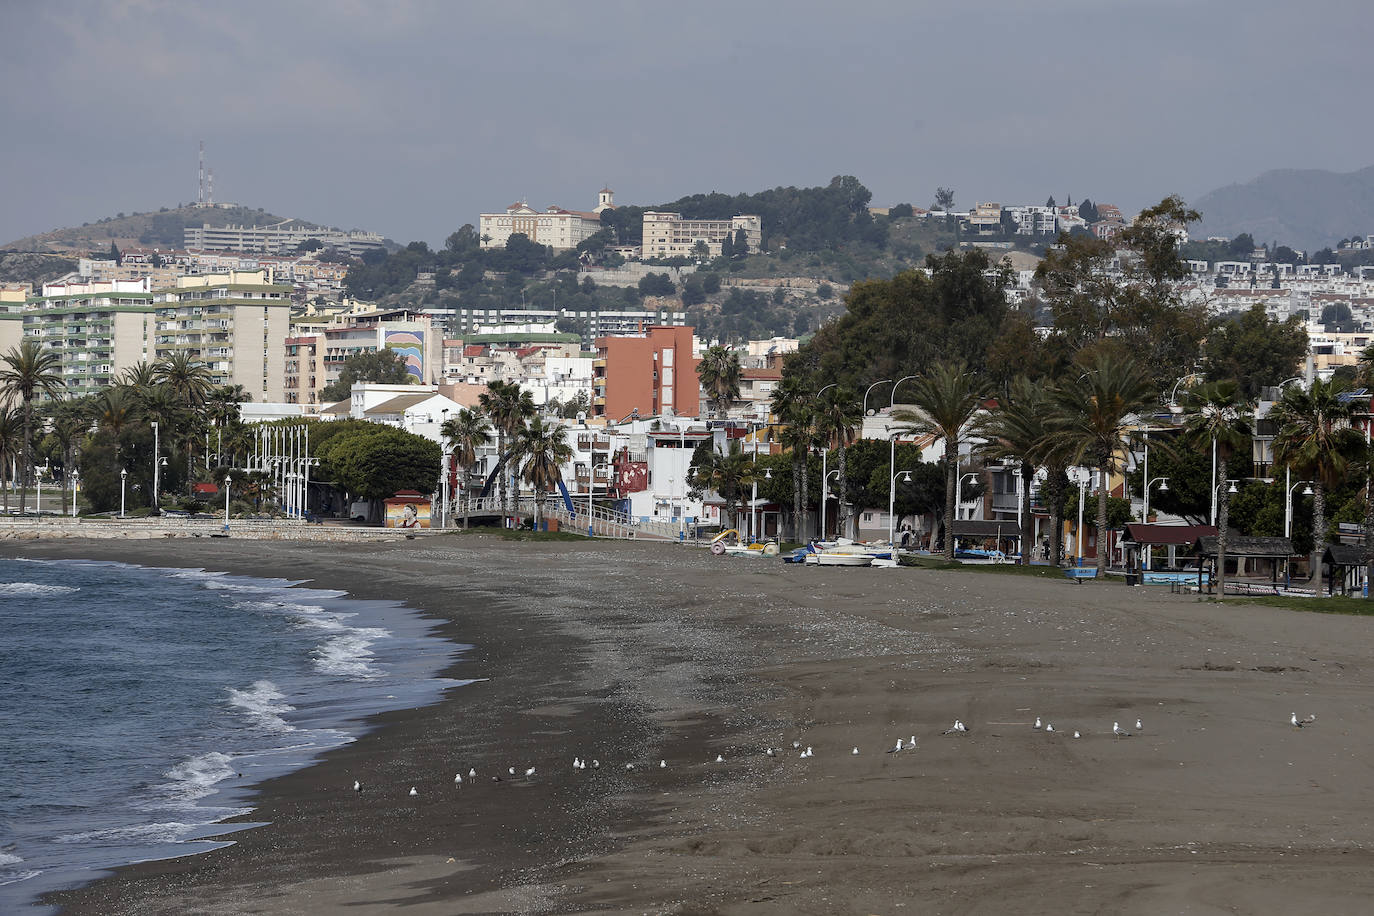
(602, 522)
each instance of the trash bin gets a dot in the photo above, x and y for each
(1132, 578)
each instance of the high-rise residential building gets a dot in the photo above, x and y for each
(234, 323)
(558, 228)
(315, 356)
(97, 329)
(652, 373)
(668, 235)
(12, 298)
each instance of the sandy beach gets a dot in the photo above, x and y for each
(632, 653)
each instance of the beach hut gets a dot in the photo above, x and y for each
(1142, 539)
(975, 533)
(1344, 563)
(1252, 556)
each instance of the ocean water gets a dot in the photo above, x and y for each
(138, 705)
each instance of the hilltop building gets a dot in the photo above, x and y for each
(281, 238)
(668, 235)
(558, 228)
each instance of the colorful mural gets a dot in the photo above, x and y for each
(411, 346)
(407, 510)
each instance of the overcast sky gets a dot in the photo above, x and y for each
(410, 118)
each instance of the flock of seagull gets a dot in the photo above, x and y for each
(958, 728)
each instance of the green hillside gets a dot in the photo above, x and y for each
(1302, 208)
(157, 229)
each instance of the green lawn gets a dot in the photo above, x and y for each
(1004, 569)
(1360, 607)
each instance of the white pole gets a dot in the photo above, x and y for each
(227, 481)
(825, 488)
(76, 489)
(123, 476)
(1287, 502)
(1214, 481)
(1146, 512)
(958, 494)
(891, 484)
(1082, 485)
(157, 469)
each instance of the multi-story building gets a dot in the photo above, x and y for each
(668, 235)
(558, 228)
(652, 373)
(282, 238)
(12, 298)
(316, 351)
(985, 219)
(588, 323)
(97, 330)
(234, 323)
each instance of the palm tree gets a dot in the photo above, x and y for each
(719, 373)
(115, 409)
(509, 407)
(1016, 430)
(792, 407)
(1316, 441)
(946, 398)
(466, 433)
(838, 418)
(29, 372)
(139, 376)
(11, 447)
(540, 449)
(1091, 416)
(1218, 412)
(70, 421)
(190, 383)
(728, 475)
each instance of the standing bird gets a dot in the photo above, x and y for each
(663, 764)
(358, 787)
(472, 773)
(413, 793)
(1138, 726)
(1049, 726)
(1119, 731)
(854, 752)
(529, 772)
(1076, 734)
(770, 752)
(458, 780)
(720, 758)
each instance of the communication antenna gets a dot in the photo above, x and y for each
(210, 189)
(200, 197)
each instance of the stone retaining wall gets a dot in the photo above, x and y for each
(28, 529)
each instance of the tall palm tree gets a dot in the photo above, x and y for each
(1218, 412)
(792, 407)
(1091, 416)
(70, 422)
(728, 475)
(1316, 441)
(115, 409)
(946, 398)
(509, 407)
(838, 418)
(1016, 430)
(719, 374)
(11, 447)
(29, 372)
(540, 449)
(140, 376)
(190, 383)
(466, 433)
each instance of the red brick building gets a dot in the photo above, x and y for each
(652, 373)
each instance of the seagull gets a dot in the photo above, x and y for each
(358, 787)
(1301, 723)
(911, 745)
(629, 766)
(1138, 726)
(663, 764)
(808, 752)
(896, 749)
(854, 753)
(577, 763)
(1049, 726)
(719, 759)
(796, 744)
(529, 772)
(472, 773)
(1037, 722)
(512, 771)
(413, 793)
(771, 753)
(596, 765)
(1119, 731)
(1076, 734)
(458, 779)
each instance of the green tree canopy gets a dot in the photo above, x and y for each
(383, 367)
(376, 461)
(1254, 350)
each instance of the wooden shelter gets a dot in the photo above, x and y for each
(1348, 560)
(1142, 538)
(1251, 555)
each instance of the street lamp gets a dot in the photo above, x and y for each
(123, 476)
(892, 451)
(754, 498)
(870, 388)
(825, 455)
(76, 490)
(157, 466)
(1163, 488)
(825, 495)
(959, 492)
(227, 481)
(591, 487)
(892, 504)
(1288, 501)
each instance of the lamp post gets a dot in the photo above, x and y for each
(825, 454)
(959, 492)
(76, 490)
(123, 476)
(1288, 501)
(1163, 488)
(591, 487)
(864, 403)
(227, 481)
(892, 451)
(825, 495)
(157, 467)
(892, 504)
(444, 471)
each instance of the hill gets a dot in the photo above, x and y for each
(160, 229)
(1303, 208)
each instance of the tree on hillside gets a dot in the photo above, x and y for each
(944, 199)
(652, 284)
(381, 367)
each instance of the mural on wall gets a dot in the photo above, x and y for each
(411, 347)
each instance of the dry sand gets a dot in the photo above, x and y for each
(634, 653)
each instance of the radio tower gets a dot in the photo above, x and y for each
(210, 189)
(200, 198)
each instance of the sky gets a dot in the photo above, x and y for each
(410, 118)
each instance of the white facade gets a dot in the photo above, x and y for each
(558, 228)
(668, 235)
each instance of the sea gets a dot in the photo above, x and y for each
(138, 706)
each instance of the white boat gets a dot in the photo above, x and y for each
(840, 557)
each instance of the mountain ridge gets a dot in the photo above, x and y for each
(1304, 208)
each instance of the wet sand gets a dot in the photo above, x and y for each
(632, 653)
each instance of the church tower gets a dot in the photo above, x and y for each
(605, 200)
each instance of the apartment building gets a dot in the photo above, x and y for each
(315, 352)
(96, 329)
(651, 373)
(668, 235)
(281, 238)
(12, 299)
(588, 323)
(234, 323)
(556, 227)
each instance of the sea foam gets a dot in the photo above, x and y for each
(36, 589)
(263, 704)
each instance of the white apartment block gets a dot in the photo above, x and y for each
(96, 329)
(314, 355)
(558, 228)
(668, 235)
(281, 238)
(234, 323)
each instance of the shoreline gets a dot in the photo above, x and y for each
(635, 653)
